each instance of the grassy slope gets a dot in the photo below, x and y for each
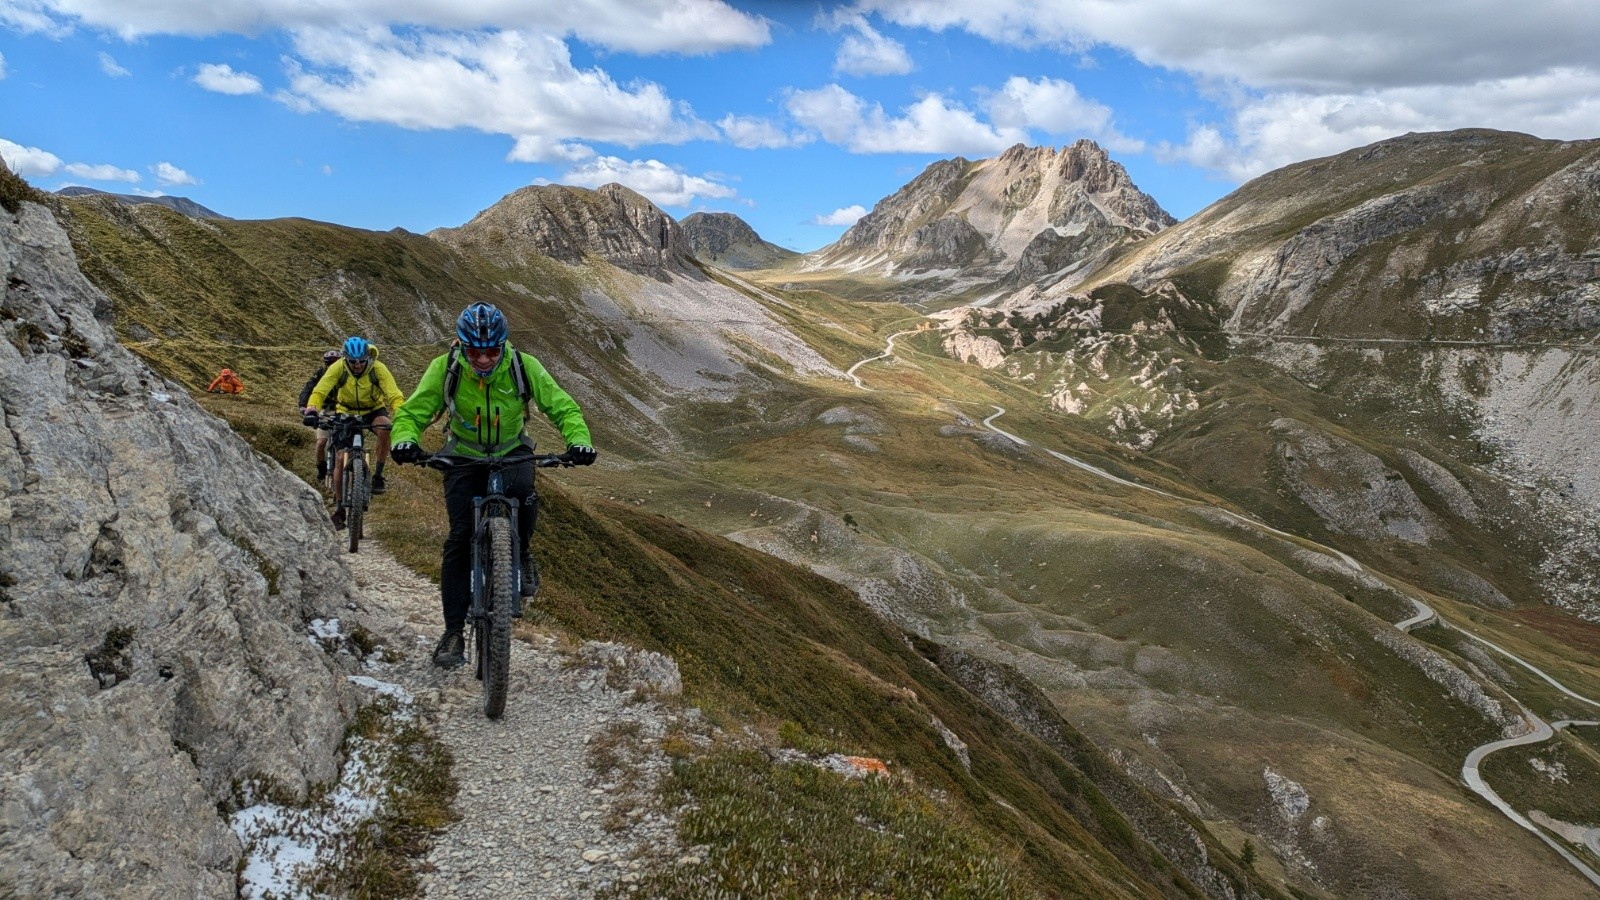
(760, 641)
(927, 492)
(1227, 636)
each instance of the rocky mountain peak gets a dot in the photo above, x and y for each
(724, 239)
(570, 224)
(1030, 213)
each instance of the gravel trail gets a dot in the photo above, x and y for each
(537, 820)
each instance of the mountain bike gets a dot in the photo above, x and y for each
(496, 569)
(347, 439)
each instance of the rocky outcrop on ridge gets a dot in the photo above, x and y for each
(569, 224)
(725, 240)
(1471, 235)
(1031, 213)
(156, 577)
(181, 205)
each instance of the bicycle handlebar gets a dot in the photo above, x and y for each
(331, 420)
(442, 462)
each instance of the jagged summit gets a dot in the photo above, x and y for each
(181, 205)
(1026, 214)
(724, 239)
(571, 223)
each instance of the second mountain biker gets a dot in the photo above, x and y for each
(359, 385)
(485, 387)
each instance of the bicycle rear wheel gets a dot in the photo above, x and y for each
(496, 641)
(355, 495)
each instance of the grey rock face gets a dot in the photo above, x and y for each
(1024, 215)
(568, 223)
(1350, 489)
(724, 239)
(155, 578)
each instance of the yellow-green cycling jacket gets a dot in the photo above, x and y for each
(490, 400)
(360, 394)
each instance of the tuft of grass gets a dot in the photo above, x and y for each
(14, 189)
(776, 830)
(379, 860)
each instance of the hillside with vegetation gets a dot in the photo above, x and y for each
(1144, 568)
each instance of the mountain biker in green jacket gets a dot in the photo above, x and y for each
(493, 386)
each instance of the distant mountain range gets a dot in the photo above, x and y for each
(179, 204)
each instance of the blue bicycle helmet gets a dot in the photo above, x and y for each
(481, 327)
(356, 349)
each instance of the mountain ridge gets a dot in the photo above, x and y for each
(1029, 213)
(181, 205)
(724, 239)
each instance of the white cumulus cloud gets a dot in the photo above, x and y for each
(931, 125)
(664, 185)
(751, 133)
(169, 174)
(1277, 129)
(221, 78)
(1056, 107)
(846, 215)
(29, 162)
(108, 65)
(102, 172)
(635, 26)
(2, 65)
(1299, 80)
(518, 84)
(867, 52)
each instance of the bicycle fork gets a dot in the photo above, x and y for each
(480, 586)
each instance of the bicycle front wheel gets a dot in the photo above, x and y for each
(500, 583)
(355, 496)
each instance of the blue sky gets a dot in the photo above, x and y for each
(797, 117)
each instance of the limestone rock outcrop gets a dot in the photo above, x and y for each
(569, 223)
(725, 240)
(1031, 213)
(156, 576)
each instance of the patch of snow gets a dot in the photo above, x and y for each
(385, 688)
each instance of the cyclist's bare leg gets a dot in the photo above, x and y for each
(338, 477)
(380, 427)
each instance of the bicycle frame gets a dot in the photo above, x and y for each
(346, 435)
(493, 502)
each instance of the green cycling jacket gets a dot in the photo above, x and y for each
(488, 399)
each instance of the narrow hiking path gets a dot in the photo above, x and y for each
(537, 820)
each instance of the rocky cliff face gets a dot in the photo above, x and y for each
(155, 581)
(1462, 268)
(1031, 213)
(725, 240)
(568, 223)
(1469, 235)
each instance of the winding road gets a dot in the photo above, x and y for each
(1425, 615)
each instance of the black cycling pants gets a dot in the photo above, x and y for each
(460, 486)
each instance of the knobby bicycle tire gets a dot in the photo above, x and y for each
(497, 645)
(356, 496)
